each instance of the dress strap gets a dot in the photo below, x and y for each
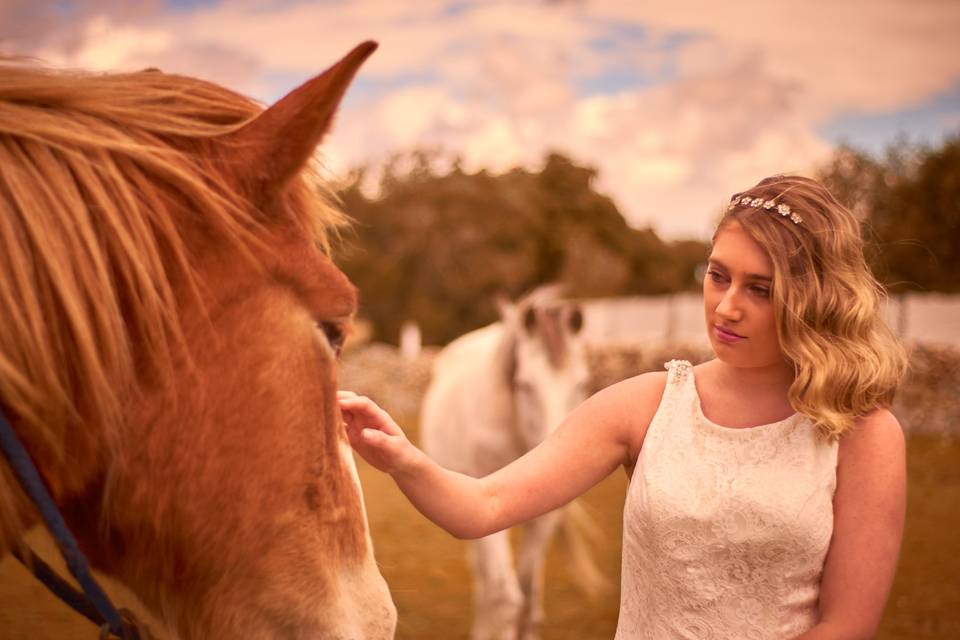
(671, 404)
(677, 371)
(680, 392)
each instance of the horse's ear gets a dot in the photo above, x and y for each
(530, 319)
(277, 143)
(575, 319)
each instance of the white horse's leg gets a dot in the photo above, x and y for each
(496, 594)
(533, 554)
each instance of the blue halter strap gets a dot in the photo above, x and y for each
(97, 606)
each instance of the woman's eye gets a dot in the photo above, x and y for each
(335, 334)
(716, 276)
(763, 292)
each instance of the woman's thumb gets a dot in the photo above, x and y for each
(375, 437)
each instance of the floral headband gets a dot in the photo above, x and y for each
(782, 208)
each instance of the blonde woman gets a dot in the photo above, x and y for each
(768, 485)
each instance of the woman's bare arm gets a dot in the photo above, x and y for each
(869, 509)
(601, 434)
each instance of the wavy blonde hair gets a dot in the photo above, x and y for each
(827, 303)
(110, 187)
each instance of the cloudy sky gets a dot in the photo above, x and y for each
(676, 103)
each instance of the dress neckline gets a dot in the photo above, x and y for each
(713, 425)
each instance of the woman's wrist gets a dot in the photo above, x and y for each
(412, 466)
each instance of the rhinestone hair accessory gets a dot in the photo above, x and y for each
(783, 209)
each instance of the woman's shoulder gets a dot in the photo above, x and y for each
(632, 404)
(878, 426)
(638, 392)
(876, 438)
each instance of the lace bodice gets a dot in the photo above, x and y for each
(725, 530)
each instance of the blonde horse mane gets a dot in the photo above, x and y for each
(108, 182)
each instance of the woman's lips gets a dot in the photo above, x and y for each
(725, 335)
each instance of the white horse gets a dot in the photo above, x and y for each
(495, 394)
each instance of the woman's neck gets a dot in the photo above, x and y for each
(775, 378)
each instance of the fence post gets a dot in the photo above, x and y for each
(902, 315)
(670, 332)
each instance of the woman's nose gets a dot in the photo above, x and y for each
(729, 306)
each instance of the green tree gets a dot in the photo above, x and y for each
(439, 249)
(909, 202)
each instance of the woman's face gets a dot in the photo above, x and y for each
(737, 301)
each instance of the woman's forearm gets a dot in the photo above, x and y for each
(583, 450)
(458, 503)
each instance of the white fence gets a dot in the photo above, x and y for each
(927, 318)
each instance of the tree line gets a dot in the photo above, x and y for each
(909, 204)
(438, 248)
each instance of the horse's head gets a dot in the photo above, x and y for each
(170, 322)
(550, 373)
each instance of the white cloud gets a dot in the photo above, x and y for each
(846, 54)
(109, 46)
(305, 37)
(671, 155)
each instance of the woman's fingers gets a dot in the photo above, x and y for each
(373, 436)
(360, 411)
(373, 433)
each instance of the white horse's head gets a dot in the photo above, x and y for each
(550, 375)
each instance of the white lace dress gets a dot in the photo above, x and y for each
(724, 530)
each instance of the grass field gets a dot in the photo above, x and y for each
(428, 574)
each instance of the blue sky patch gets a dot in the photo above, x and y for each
(627, 76)
(616, 80)
(928, 123)
(186, 5)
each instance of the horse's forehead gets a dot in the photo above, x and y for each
(299, 264)
(291, 261)
(548, 338)
(550, 358)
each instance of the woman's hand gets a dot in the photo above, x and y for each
(374, 434)
(593, 441)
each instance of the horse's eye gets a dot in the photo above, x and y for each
(335, 334)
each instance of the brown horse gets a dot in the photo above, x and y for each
(170, 320)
